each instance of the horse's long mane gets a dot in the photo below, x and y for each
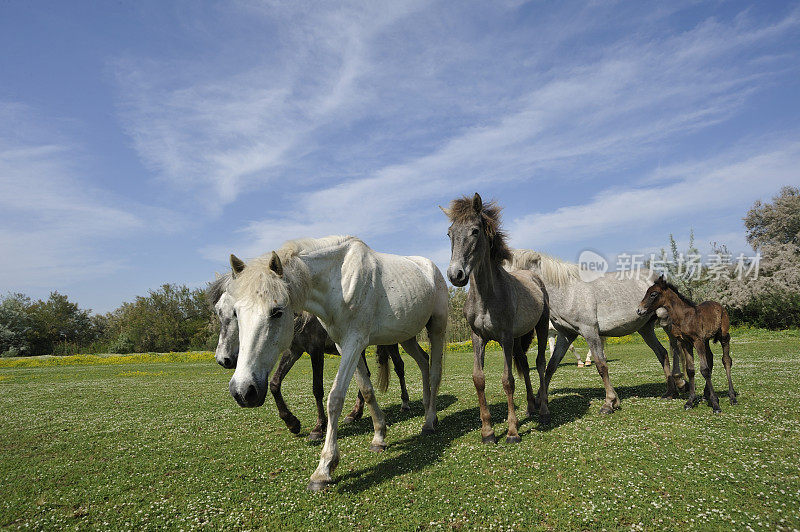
(216, 288)
(552, 270)
(258, 284)
(685, 299)
(309, 245)
(461, 210)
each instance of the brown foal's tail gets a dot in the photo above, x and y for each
(382, 355)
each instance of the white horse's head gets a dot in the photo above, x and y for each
(264, 309)
(221, 300)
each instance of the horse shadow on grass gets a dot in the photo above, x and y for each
(420, 451)
(393, 414)
(650, 389)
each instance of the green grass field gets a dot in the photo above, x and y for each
(152, 444)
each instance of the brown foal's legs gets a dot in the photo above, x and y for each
(692, 400)
(727, 362)
(706, 365)
(479, 379)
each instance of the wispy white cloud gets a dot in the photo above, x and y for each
(580, 120)
(702, 188)
(54, 223)
(217, 133)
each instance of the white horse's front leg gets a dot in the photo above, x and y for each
(329, 457)
(378, 421)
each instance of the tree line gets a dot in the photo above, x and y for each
(178, 318)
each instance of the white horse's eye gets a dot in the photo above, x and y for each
(276, 313)
(475, 231)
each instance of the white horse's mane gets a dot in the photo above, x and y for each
(258, 285)
(552, 270)
(309, 245)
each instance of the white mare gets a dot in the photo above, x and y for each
(595, 310)
(362, 298)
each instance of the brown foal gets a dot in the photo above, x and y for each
(694, 325)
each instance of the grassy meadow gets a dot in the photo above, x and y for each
(157, 442)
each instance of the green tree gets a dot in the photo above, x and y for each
(58, 321)
(777, 222)
(171, 318)
(15, 325)
(457, 328)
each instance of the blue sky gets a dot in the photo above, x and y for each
(142, 142)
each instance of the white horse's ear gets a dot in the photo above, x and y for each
(216, 275)
(477, 203)
(275, 264)
(445, 211)
(237, 265)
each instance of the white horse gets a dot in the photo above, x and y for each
(362, 298)
(601, 308)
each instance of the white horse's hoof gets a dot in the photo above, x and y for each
(319, 485)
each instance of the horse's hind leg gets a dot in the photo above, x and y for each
(705, 370)
(421, 358)
(436, 328)
(521, 346)
(287, 361)
(611, 402)
(317, 365)
(399, 369)
(652, 342)
(541, 366)
(689, 363)
(378, 421)
(358, 408)
(728, 362)
(562, 344)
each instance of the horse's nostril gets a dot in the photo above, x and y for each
(251, 394)
(228, 363)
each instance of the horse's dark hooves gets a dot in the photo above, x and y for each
(513, 439)
(427, 431)
(670, 395)
(605, 409)
(316, 436)
(718, 410)
(405, 407)
(375, 448)
(319, 485)
(689, 405)
(348, 420)
(734, 401)
(490, 439)
(294, 426)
